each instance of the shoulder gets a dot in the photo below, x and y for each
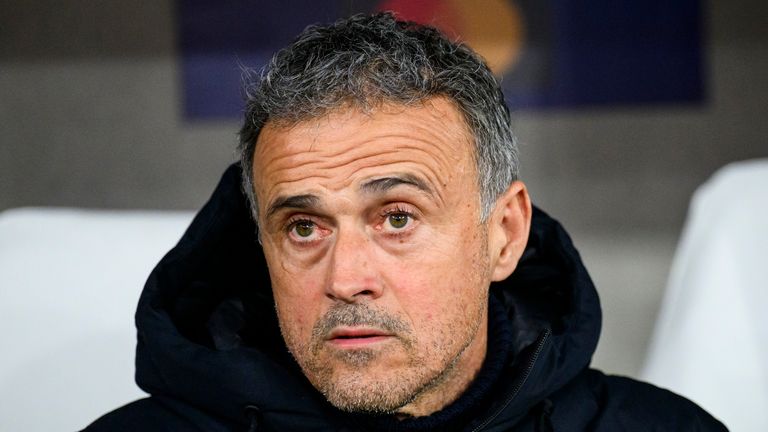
(627, 404)
(154, 415)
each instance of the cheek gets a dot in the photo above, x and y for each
(297, 297)
(438, 288)
(429, 294)
(296, 321)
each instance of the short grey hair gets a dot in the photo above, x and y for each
(365, 60)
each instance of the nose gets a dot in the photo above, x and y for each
(353, 276)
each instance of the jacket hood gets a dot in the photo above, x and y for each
(208, 332)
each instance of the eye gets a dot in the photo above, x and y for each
(304, 228)
(304, 231)
(398, 220)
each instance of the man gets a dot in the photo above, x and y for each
(399, 279)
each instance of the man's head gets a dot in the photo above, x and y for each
(381, 169)
(365, 60)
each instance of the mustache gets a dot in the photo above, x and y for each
(358, 314)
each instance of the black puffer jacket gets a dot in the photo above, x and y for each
(211, 355)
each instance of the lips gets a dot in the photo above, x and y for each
(356, 337)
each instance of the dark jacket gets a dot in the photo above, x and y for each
(211, 355)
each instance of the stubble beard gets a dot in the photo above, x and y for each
(353, 390)
(344, 377)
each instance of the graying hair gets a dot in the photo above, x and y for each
(365, 60)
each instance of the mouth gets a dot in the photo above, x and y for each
(357, 337)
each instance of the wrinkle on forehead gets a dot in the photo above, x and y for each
(325, 169)
(334, 151)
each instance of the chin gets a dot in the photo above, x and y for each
(360, 393)
(374, 387)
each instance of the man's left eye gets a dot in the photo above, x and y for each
(398, 220)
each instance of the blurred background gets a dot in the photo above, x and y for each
(622, 109)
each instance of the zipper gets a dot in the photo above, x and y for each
(520, 384)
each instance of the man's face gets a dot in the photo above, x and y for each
(379, 263)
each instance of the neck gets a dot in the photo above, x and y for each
(454, 381)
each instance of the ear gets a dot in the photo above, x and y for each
(508, 230)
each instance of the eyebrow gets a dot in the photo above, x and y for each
(375, 186)
(381, 185)
(293, 201)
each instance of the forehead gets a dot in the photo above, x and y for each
(429, 140)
